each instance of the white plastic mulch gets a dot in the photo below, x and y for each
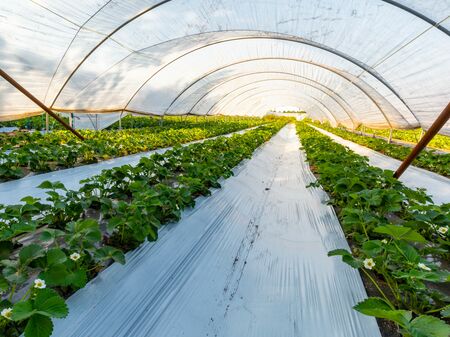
(249, 261)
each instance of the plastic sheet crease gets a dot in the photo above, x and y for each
(251, 260)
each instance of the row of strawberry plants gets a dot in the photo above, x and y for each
(34, 152)
(135, 122)
(439, 142)
(435, 162)
(399, 238)
(17, 139)
(34, 123)
(75, 234)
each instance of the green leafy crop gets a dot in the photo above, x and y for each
(399, 238)
(75, 234)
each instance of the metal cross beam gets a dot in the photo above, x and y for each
(24, 91)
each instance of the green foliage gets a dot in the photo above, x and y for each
(439, 142)
(430, 160)
(131, 204)
(398, 236)
(37, 311)
(421, 326)
(34, 123)
(24, 152)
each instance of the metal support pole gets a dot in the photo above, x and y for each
(423, 142)
(390, 136)
(47, 122)
(14, 83)
(120, 121)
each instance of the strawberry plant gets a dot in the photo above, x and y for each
(430, 160)
(25, 152)
(439, 142)
(399, 238)
(34, 123)
(82, 232)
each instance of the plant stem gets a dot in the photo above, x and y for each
(26, 294)
(436, 310)
(13, 290)
(378, 288)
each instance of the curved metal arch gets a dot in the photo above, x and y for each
(296, 99)
(319, 109)
(271, 90)
(307, 98)
(70, 45)
(281, 73)
(293, 60)
(106, 38)
(419, 15)
(261, 81)
(359, 64)
(257, 95)
(145, 11)
(255, 106)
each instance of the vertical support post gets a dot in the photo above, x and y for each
(120, 120)
(423, 142)
(24, 91)
(390, 136)
(47, 122)
(71, 119)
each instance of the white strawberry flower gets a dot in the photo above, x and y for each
(369, 263)
(384, 241)
(39, 284)
(75, 256)
(423, 266)
(7, 313)
(443, 230)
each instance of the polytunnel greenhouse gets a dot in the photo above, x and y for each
(225, 168)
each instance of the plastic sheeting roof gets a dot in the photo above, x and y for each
(378, 62)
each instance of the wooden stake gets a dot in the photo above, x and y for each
(423, 142)
(38, 103)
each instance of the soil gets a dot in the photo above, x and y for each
(387, 328)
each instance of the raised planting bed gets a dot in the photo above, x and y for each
(23, 153)
(439, 142)
(399, 239)
(429, 160)
(34, 123)
(49, 250)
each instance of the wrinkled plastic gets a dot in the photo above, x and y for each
(250, 260)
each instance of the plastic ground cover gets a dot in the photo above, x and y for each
(414, 177)
(251, 260)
